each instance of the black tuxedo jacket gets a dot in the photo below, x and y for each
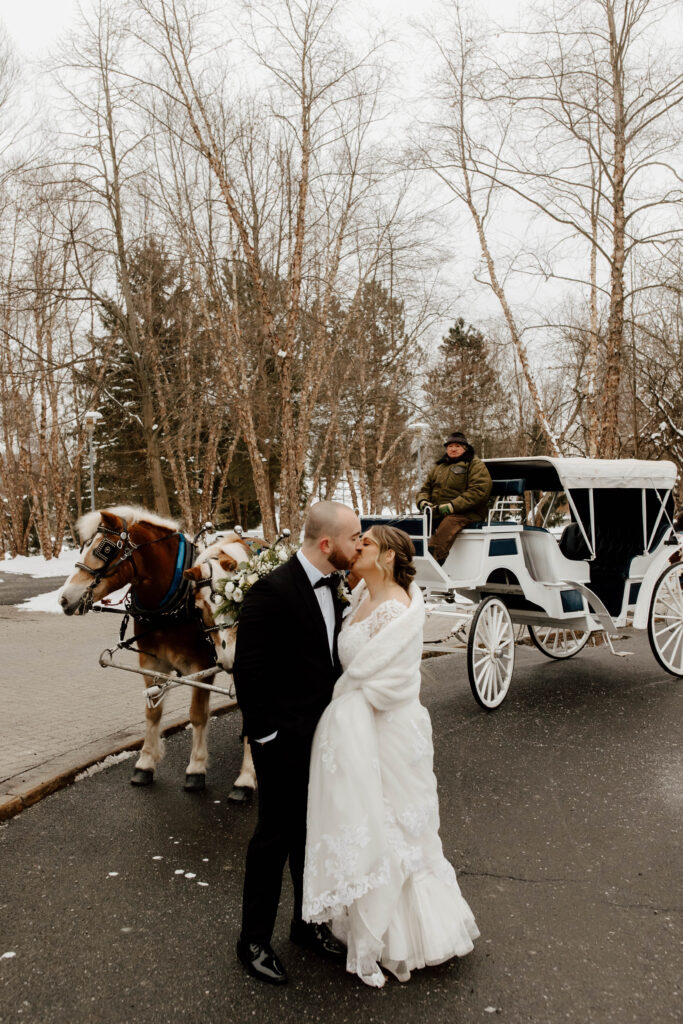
(284, 673)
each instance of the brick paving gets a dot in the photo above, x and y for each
(59, 710)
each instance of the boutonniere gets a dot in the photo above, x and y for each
(343, 591)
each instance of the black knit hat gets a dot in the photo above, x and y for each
(456, 438)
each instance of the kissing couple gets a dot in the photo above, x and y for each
(329, 692)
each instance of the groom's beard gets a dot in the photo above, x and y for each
(339, 560)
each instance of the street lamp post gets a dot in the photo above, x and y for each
(418, 429)
(91, 419)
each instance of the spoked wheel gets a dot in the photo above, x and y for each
(490, 653)
(665, 623)
(558, 641)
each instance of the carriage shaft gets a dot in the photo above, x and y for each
(106, 661)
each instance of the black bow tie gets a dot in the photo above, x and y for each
(330, 581)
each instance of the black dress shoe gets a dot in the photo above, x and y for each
(317, 937)
(261, 962)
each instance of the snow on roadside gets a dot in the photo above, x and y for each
(50, 602)
(38, 566)
(107, 762)
(41, 568)
(42, 603)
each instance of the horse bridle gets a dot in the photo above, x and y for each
(209, 582)
(113, 554)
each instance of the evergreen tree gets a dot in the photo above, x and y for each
(464, 392)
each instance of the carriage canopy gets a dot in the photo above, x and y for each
(547, 473)
(633, 494)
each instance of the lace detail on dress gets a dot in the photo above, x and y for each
(355, 635)
(327, 754)
(384, 613)
(334, 902)
(422, 739)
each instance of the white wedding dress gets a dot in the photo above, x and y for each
(375, 869)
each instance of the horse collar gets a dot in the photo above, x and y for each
(175, 600)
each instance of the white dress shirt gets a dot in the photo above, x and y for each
(323, 594)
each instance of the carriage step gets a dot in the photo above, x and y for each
(142, 777)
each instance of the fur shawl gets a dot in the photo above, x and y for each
(387, 667)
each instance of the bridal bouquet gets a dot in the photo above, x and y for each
(235, 585)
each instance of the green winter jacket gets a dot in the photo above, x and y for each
(465, 483)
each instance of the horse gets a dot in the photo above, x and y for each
(127, 545)
(215, 563)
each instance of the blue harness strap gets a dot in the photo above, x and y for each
(178, 572)
(174, 598)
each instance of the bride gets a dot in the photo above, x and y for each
(375, 869)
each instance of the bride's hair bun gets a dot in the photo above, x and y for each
(390, 538)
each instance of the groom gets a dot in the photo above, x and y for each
(285, 669)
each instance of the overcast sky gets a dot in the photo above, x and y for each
(35, 25)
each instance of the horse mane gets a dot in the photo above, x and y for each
(218, 546)
(88, 523)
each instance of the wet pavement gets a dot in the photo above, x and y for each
(561, 812)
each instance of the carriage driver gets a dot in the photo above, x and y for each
(457, 487)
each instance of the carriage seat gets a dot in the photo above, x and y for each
(546, 562)
(573, 543)
(509, 501)
(413, 525)
(505, 488)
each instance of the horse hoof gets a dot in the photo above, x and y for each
(195, 781)
(241, 794)
(142, 777)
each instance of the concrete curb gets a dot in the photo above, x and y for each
(24, 790)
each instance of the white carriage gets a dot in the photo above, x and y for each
(617, 563)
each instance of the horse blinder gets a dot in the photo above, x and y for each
(107, 551)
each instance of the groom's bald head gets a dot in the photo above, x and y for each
(324, 519)
(331, 535)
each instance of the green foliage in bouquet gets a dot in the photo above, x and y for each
(236, 584)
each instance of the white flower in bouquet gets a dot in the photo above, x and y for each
(235, 586)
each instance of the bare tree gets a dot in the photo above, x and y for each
(588, 105)
(298, 222)
(460, 152)
(108, 216)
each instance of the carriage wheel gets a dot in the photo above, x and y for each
(558, 641)
(665, 623)
(490, 653)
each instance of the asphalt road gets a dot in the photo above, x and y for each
(16, 587)
(561, 812)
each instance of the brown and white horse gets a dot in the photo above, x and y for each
(131, 546)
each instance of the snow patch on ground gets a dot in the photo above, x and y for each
(38, 566)
(50, 602)
(42, 603)
(108, 761)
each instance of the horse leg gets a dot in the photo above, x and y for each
(195, 775)
(153, 746)
(245, 784)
